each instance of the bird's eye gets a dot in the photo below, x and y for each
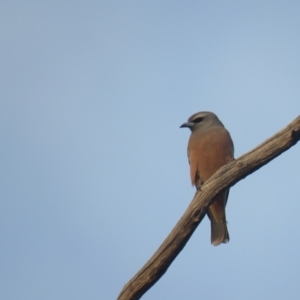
(198, 120)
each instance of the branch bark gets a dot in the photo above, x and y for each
(224, 178)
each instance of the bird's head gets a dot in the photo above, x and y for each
(202, 120)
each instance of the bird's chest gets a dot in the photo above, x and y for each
(207, 153)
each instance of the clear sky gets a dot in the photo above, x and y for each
(94, 171)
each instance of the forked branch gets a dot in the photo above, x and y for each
(224, 178)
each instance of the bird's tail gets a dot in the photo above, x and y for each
(216, 214)
(219, 232)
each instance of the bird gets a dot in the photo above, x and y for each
(210, 147)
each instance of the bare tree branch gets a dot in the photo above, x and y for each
(225, 177)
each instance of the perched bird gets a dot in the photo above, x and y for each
(210, 147)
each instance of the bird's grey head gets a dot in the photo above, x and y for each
(202, 120)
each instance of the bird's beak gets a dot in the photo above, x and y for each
(187, 124)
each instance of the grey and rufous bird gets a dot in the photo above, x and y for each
(210, 147)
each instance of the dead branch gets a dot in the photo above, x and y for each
(225, 177)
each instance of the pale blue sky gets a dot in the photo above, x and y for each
(94, 172)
